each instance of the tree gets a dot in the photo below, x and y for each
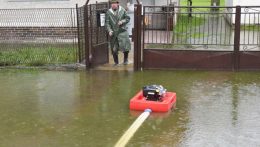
(190, 9)
(215, 2)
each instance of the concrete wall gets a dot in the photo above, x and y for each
(18, 4)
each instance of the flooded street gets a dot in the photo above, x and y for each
(41, 108)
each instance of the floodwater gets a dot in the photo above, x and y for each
(41, 108)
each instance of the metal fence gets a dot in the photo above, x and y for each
(93, 46)
(90, 20)
(98, 31)
(180, 27)
(81, 32)
(250, 28)
(38, 36)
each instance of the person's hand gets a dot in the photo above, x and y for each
(120, 23)
(110, 33)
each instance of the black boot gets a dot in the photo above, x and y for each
(115, 56)
(126, 58)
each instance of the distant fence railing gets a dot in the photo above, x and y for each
(250, 27)
(184, 27)
(38, 36)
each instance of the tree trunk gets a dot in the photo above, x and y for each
(215, 2)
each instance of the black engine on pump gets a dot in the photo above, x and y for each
(154, 92)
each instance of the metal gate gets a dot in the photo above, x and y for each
(226, 38)
(93, 39)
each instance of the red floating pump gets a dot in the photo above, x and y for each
(153, 97)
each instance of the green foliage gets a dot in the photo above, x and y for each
(250, 28)
(201, 2)
(35, 56)
(186, 27)
(185, 23)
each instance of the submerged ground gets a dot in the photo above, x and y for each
(90, 108)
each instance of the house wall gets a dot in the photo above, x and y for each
(229, 3)
(246, 2)
(19, 4)
(153, 2)
(161, 2)
(246, 18)
(29, 13)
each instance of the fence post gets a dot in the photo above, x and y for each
(86, 28)
(79, 47)
(140, 37)
(237, 38)
(137, 36)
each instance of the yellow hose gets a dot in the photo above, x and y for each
(133, 128)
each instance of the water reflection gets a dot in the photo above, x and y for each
(53, 108)
(221, 112)
(235, 101)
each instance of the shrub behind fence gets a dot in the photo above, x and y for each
(38, 36)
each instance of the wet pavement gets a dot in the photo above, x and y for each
(121, 66)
